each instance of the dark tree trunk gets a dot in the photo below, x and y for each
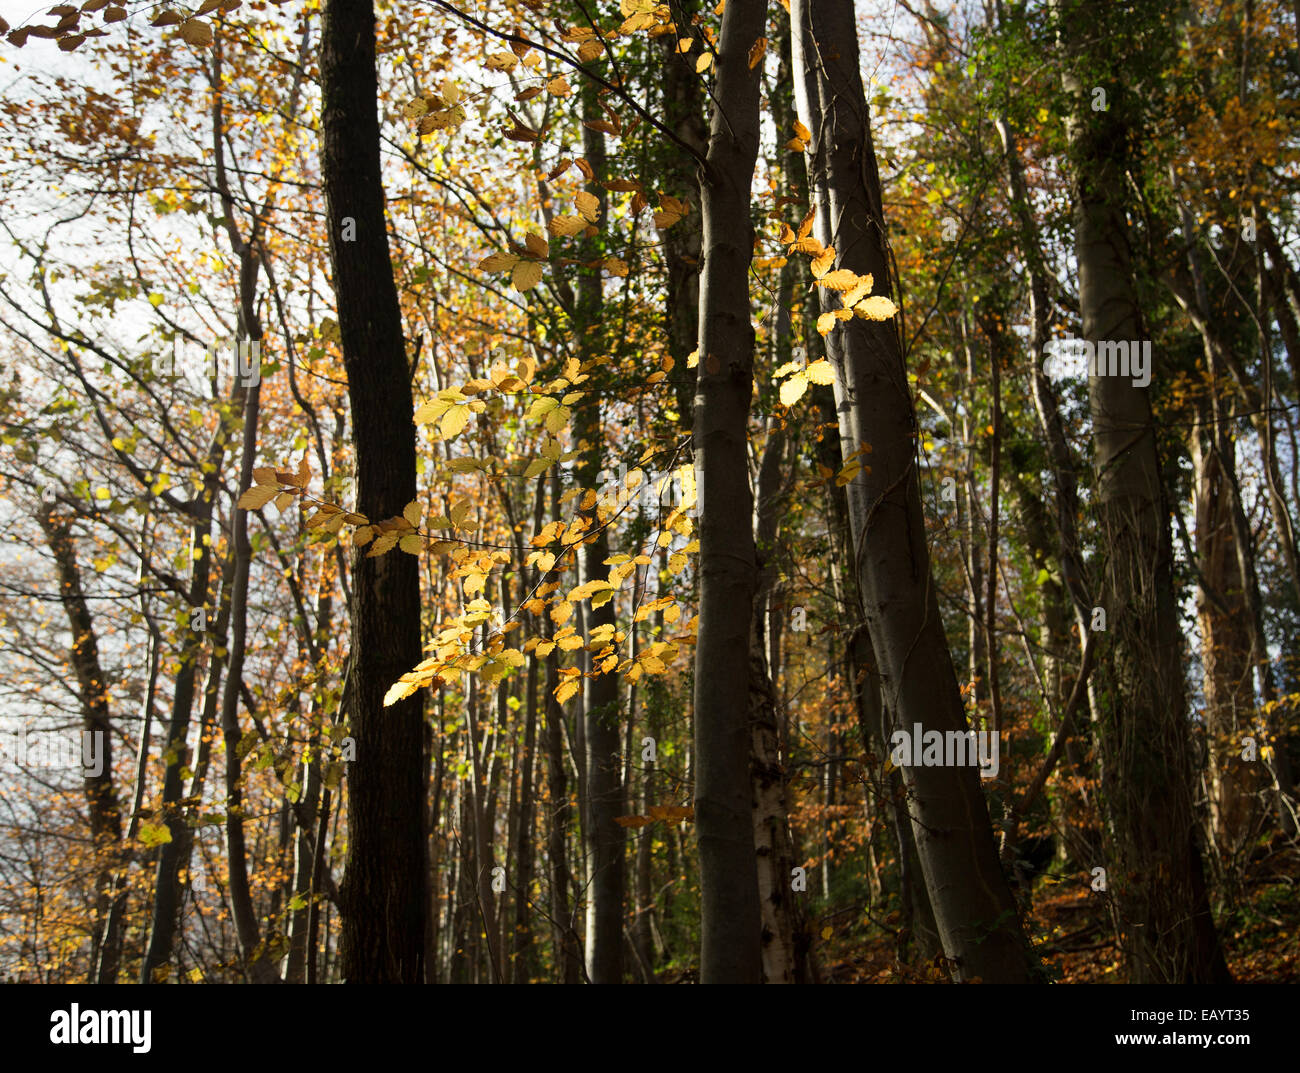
(383, 892)
(730, 925)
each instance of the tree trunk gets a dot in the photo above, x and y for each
(383, 892)
(730, 925)
(96, 727)
(1154, 873)
(974, 909)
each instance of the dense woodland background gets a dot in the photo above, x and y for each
(659, 405)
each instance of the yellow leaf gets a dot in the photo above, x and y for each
(566, 225)
(821, 264)
(840, 280)
(541, 407)
(615, 266)
(590, 49)
(756, 52)
(385, 542)
(820, 372)
(877, 307)
(261, 474)
(826, 322)
(863, 288)
(526, 275)
(412, 513)
(827, 932)
(283, 500)
(411, 544)
(498, 262)
(793, 389)
(453, 421)
(256, 497)
(702, 64)
(558, 418)
(588, 204)
(567, 690)
(803, 132)
(561, 612)
(399, 690)
(459, 513)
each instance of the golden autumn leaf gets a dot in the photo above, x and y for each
(526, 275)
(756, 52)
(588, 205)
(256, 497)
(454, 421)
(498, 262)
(566, 225)
(877, 307)
(820, 372)
(821, 264)
(567, 690)
(842, 279)
(383, 543)
(793, 389)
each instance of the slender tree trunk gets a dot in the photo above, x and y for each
(974, 909)
(1155, 873)
(97, 731)
(730, 926)
(382, 898)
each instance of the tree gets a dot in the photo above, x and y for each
(386, 784)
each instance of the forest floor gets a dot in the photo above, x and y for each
(1072, 932)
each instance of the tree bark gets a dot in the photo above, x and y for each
(730, 925)
(383, 892)
(1155, 873)
(98, 786)
(974, 910)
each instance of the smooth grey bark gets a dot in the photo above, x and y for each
(974, 909)
(730, 924)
